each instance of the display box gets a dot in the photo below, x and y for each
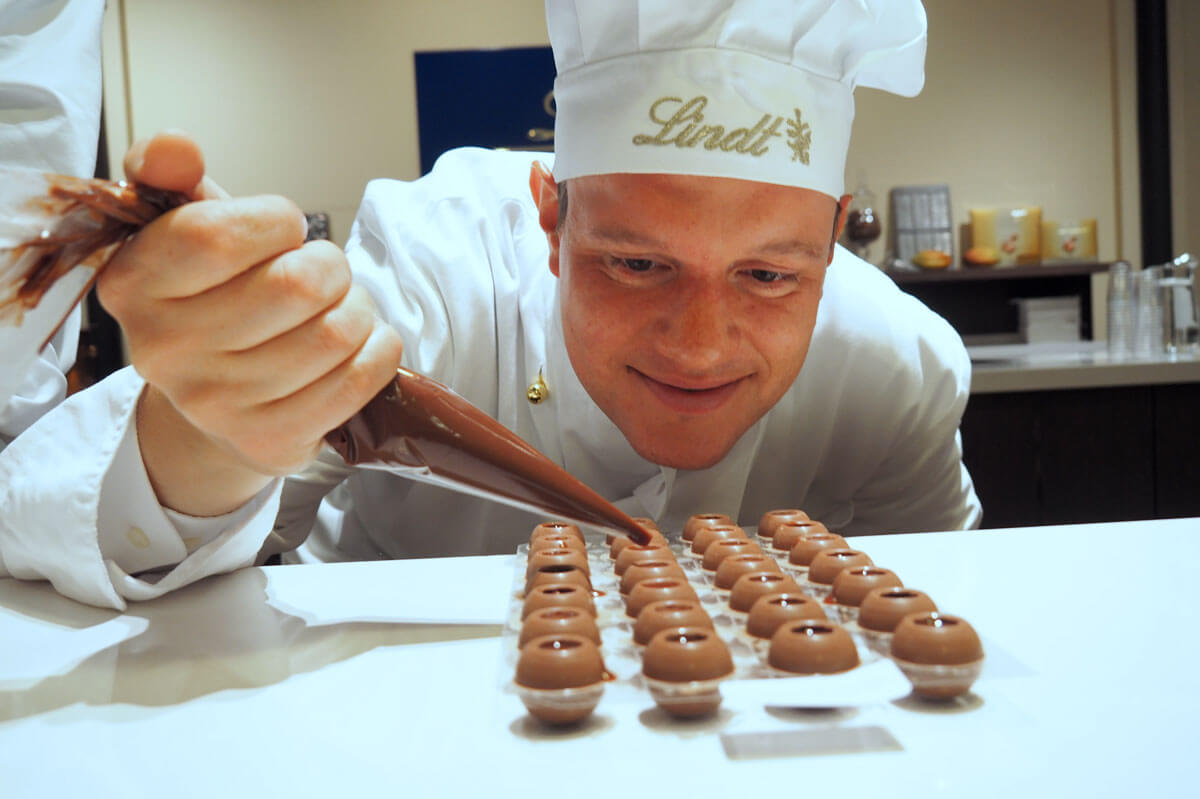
(1014, 233)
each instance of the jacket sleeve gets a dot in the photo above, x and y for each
(79, 511)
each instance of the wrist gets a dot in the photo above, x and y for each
(190, 471)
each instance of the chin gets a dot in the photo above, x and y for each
(689, 458)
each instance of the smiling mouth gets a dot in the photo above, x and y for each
(687, 399)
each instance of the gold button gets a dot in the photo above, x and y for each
(538, 390)
(138, 538)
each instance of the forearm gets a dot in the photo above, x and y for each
(190, 472)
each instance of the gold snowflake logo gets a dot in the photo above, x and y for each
(799, 138)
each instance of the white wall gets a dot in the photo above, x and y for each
(308, 98)
(1025, 101)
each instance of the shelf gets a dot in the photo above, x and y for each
(987, 273)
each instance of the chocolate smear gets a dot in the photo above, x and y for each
(85, 221)
(415, 426)
(417, 423)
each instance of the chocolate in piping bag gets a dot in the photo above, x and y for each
(421, 429)
(61, 231)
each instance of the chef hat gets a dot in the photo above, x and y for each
(753, 89)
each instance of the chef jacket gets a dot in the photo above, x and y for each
(865, 439)
(49, 120)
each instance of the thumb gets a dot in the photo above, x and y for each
(171, 160)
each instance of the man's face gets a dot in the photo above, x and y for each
(688, 303)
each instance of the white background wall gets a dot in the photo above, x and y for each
(1026, 101)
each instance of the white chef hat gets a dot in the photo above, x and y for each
(753, 89)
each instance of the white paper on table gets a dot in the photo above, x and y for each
(869, 684)
(407, 591)
(34, 649)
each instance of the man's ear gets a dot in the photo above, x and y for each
(839, 222)
(545, 196)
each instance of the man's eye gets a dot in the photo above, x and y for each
(636, 264)
(767, 276)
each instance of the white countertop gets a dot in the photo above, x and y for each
(303, 681)
(999, 368)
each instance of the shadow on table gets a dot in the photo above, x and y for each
(217, 635)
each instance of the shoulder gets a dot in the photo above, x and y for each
(455, 261)
(880, 330)
(470, 216)
(464, 181)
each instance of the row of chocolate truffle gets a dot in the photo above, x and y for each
(940, 654)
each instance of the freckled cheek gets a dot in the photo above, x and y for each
(783, 340)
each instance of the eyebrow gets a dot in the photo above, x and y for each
(632, 238)
(792, 247)
(624, 236)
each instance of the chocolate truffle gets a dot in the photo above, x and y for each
(705, 537)
(807, 547)
(558, 574)
(772, 519)
(788, 533)
(883, 608)
(552, 541)
(828, 563)
(636, 553)
(812, 647)
(621, 542)
(851, 586)
(559, 621)
(682, 666)
(645, 522)
(749, 587)
(558, 528)
(655, 590)
(771, 610)
(702, 520)
(560, 677)
(646, 569)
(558, 557)
(940, 654)
(669, 613)
(719, 550)
(735, 566)
(546, 596)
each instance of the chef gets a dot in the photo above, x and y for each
(661, 308)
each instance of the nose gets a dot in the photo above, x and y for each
(698, 332)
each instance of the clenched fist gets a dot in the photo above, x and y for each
(253, 343)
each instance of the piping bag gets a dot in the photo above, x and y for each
(57, 233)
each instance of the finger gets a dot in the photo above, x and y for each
(169, 160)
(307, 415)
(201, 245)
(303, 355)
(289, 290)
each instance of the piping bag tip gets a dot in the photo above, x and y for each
(421, 429)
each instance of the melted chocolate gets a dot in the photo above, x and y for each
(87, 219)
(418, 422)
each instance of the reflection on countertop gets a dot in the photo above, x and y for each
(224, 633)
(1069, 365)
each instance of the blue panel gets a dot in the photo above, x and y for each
(487, 98)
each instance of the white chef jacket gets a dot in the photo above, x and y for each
(865, 440)
(49, 120)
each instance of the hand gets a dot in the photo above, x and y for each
(253, 343)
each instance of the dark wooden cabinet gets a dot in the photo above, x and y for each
(978, 301)
(1085, 455)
